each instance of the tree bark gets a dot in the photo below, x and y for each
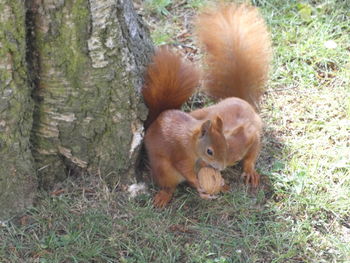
(90, 59)
(17, 174)
(85, 61)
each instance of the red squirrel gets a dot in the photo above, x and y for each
(175, 141)
(238, 53)
(237, 57)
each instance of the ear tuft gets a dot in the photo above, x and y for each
(237, 130)
(219, 123)
(205, 128)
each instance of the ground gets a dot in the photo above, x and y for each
(300, 213)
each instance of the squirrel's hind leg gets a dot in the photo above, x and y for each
(167, 178)
(163, 197)
(249, 173)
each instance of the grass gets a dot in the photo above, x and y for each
(301, 213)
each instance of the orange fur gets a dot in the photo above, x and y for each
(169, 82)
(238, 54)
(174, 140)
(238, 51)
(242, 130)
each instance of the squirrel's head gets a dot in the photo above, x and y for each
(211, 143)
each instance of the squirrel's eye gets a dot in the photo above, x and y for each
(209, 152)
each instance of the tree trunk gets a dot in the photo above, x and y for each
(90, 62)
(17, 174)
(85, 60)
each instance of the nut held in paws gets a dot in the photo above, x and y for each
(210, 180)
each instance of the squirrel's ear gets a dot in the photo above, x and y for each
(237, 130)
(205, 127)
(219, 123)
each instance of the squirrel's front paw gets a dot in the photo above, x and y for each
(225, 188)
(253, 178)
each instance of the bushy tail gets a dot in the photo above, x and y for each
(238, 51)
(169, 82)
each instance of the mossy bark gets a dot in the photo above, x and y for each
(17, 174)
(89, 58)
(70, 78)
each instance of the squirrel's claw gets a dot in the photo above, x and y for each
(253, 178)
(161, 199)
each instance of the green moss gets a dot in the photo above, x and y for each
(17, 176)
(66, 42)
(75, 36)
(11, 39)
